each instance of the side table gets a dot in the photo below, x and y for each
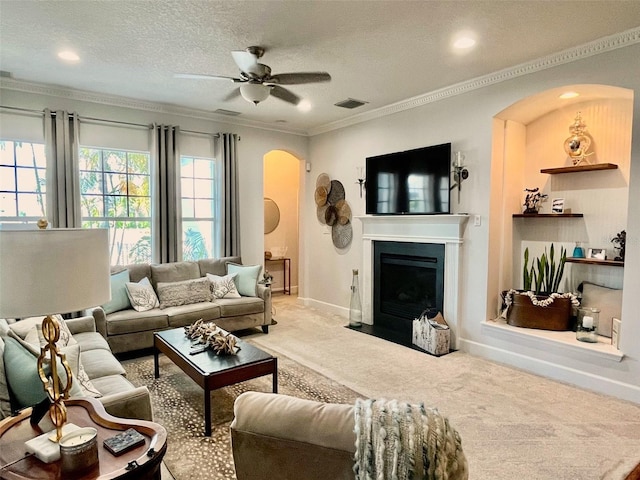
(142, 462)
(286, 273)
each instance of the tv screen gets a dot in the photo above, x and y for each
(413, 182)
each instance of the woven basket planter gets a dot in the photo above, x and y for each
(556, 316)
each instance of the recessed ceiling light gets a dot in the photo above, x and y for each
(304, 105)
(68, 56)
(566, 95)
(464, 42)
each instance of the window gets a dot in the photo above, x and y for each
(116, 194)
(199, 187)
(22, 181)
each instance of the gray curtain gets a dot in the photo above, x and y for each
(167, 228)
(63, 176)
(230, 207)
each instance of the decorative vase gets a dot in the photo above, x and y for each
(355, 307)
(555, 316)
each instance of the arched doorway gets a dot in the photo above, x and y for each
(281, 238)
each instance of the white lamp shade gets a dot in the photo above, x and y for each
(254, 92)
(44, 272)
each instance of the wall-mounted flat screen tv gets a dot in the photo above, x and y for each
(414, 182)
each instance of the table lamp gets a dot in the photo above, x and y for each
(46, 272)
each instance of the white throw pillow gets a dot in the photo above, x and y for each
(223, 287)
(141, 295)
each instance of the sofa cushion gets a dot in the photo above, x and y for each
(137, 271)
(232, 307)
(174, 272)
(217, 266)
(5, 401)
(187, 314)
(98, 363)
(112, 384)
(130, 321)
(22, 374)
(223, 287)
(119, 299)
(141, 295)
(91, 341)
(172, 294)
(246, 279)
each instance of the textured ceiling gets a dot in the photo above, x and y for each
(381, 52)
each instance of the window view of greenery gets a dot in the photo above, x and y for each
(198, 185)
(22, 181)
(116, 194)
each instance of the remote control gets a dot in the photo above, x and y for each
(123, 441)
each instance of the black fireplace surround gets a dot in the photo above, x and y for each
(408, 278)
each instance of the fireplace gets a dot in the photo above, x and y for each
(440, 232)
(408, 278)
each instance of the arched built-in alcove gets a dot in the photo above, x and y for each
(529, 136)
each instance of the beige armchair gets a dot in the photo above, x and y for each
(278, 436)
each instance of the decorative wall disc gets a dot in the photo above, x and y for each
(323, 180)
(344, 212)
(320, 196)
(341, 235)
(331, 215)
(336, 193)
(320, 211)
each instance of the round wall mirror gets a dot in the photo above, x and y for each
(271, 215)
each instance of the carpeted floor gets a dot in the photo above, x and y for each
(178, 406)
(514, 425)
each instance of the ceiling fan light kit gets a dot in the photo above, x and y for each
(254, 92)
(256, 80)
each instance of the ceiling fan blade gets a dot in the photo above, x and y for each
(284, 94)
(247, 61)
(196, 76)
(299, 78)
(235, 93)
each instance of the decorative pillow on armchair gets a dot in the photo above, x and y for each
(223, 287)
(172, 294)
(142, 295)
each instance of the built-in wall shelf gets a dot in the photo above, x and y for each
(548, 215)
(595, 261)
(580, 168)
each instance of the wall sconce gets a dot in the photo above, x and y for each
(361, 179)
(460, 172)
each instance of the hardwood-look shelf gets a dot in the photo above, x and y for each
(580, 168)
(548, 215)
(595, 261)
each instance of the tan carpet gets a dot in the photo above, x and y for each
(178, 406)
(514, 425)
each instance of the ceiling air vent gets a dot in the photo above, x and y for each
(222, 111)
(350, 103)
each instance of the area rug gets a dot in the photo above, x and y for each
(178, 406)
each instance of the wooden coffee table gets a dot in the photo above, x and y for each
(140, 463)
(212, 371)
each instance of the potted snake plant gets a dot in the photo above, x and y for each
(540, 305)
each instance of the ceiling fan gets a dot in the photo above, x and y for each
(256, 80)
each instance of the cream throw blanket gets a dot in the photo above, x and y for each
(401, 441)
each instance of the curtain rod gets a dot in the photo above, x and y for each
(102, 120)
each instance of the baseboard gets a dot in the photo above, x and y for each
(325, 307)
(554, 371)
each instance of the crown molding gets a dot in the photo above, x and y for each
(126, 102)
(602, 45)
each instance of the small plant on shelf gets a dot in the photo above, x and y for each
(620, 241)
(533, 199)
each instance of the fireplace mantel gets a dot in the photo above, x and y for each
(442, 229)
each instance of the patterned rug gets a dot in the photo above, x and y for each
(178, 406)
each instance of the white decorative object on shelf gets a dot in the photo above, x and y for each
(278, 252)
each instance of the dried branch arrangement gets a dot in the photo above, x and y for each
(211, 336)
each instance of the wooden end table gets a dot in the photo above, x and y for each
(138, 463)
(211, 371)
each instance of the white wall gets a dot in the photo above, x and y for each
(467, 121)
(254, 144)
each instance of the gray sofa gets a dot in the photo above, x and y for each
(107, 376)
(127, 330)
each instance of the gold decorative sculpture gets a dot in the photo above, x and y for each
(577, 145)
